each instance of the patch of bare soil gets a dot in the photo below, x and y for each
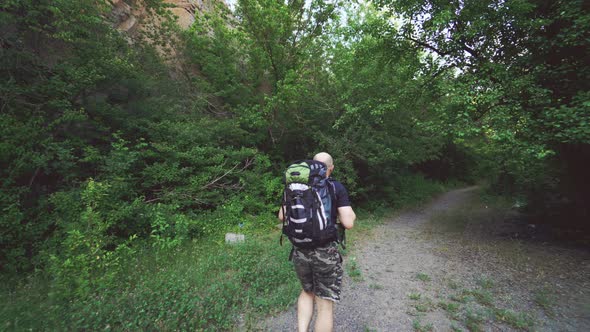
(449, 267)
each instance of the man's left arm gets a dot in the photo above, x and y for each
(280, 214)
(347, 216)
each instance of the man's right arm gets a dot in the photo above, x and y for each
(346, 214)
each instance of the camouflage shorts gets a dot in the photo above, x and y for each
(320, 271)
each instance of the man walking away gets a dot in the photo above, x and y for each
(319, 269)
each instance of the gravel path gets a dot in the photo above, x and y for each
(406, 270)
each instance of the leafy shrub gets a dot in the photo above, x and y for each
(87, 257)
(413, 188)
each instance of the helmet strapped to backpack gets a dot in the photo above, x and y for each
(308, 201)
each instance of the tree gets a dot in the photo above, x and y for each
(522, 82)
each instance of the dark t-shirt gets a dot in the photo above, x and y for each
(341, 194)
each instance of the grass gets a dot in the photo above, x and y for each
(413, 189)
(201, 285)
(461, 298)
(422, 304)
(419, 327)
(423, 277)
(517, 320)
(474, 307)
(423, 307)
(415, 296)
(353, 269)
(366, 222)
(545, 299)
(485, 282)
(452, 308)
(453, 284)
(482, 296)
(375, 286)
(474, 319)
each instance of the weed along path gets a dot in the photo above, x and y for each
(454, 265)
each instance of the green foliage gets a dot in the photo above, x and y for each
(545, 298)
(485, 282)
(423, 277)
(83, 261)
(69, 113)
(411, 189)
(219, 50)
(476, 307)
(474, 318)
(482, 296)
(168, 233)
(518, 320)
(420, 327)
(424, 305)
(283, 34)
(353, 269)
(517, 91)
(450, 307)
(381, 90)
(198, 285)
(94, 106)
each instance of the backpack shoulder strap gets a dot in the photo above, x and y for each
(332, 189)
(341, 229)
(285, 216)
(332, 192)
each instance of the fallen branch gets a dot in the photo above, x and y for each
(246, 165)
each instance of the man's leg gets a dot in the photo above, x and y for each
(325, 319)
(304, 310)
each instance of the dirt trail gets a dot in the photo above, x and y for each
(414, 277)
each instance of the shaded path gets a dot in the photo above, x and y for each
(395, 255)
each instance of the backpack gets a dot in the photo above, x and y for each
(308, 205)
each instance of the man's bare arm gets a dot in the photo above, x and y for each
(280, 214)
(346, 216)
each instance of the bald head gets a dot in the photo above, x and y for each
(325, 158)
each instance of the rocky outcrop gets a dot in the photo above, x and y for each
(185, 11)
(124, 17)
(127, 15)
(134, 20)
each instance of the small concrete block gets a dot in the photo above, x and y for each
(234, 238)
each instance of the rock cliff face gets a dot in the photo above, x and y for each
(124, 17)
(132, 17)
(127, 15)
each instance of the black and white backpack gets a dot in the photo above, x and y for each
(308, 205)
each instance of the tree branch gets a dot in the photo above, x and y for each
(34, 176)
(210, 184)
(426, 45)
